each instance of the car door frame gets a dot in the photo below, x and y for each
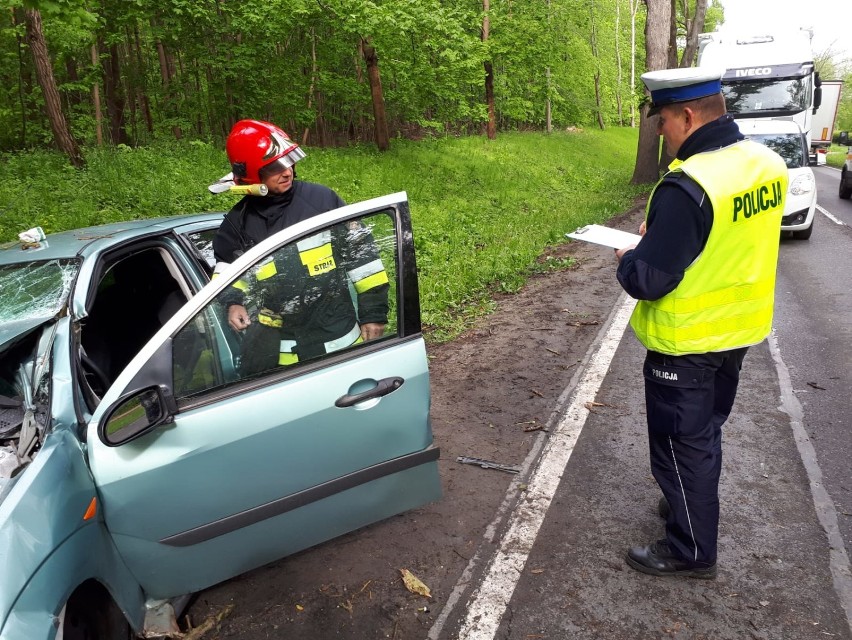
(173, 240)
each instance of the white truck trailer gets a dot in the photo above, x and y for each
(822, 125)
(768, 76)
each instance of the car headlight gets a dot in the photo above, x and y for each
(801, 185)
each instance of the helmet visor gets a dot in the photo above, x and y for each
(284, 162)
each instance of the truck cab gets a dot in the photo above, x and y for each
(766, 76)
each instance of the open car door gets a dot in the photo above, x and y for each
(207, 468)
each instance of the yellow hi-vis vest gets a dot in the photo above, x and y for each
(726, 296)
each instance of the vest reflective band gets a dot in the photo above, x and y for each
(242, 285)
(265, 269)
(286, 355)
(368, 276)
(270, 319)
(726, 296)
(316, 253)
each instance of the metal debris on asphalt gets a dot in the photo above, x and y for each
(488, 464)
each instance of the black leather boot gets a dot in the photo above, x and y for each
(657, 559)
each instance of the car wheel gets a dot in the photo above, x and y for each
(845, 190)
(91, 614)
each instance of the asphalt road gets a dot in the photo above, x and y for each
(786, 528)
(814, 329)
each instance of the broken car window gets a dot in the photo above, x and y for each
(32, 290)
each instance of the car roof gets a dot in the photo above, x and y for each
(750, 126)
(69, 244)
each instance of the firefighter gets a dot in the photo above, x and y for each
(704, 276)
(302, 291)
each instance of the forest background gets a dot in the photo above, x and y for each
(332, 72)
(118, 109)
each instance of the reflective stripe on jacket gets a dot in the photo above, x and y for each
(726, 296)
(303, 290)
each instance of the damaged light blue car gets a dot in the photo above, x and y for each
(140, 463)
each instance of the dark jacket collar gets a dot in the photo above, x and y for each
(716, 134)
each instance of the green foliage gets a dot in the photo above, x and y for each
(190, 68)
(836, 156)
(483, 211)
(715, 16)
(844, 111)
(41, 189)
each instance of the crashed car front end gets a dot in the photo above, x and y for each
(52, 537)
(34, 295)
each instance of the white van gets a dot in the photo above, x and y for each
(785, 138)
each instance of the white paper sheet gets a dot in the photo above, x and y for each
(598, 234)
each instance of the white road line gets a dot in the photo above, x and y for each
(830, 216)
(489, 602)
(841, 571)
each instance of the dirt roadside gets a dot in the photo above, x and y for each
(494, 393)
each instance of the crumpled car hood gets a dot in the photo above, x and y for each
(11, 332)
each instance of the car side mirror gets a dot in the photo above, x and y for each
(134, 416)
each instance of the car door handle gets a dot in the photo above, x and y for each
(382, 388)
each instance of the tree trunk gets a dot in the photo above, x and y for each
(618, 80)
(656, 44)
(143, 96)
(548, 120)
(307, 130)
(24, 83)
(114, 98)
(548, 116)
(381, 124)
(131, 74)
(694, 28)
(74, 97)
(491, 126)
(52, 104)
(167, 72)
(597, 75)
(634, 9)
(96, 100)
(672, 50)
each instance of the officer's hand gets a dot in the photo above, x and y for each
(371, 330)
(238, 317)
(619, 253)
(642, 228)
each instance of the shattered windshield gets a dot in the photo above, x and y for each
(32, 290)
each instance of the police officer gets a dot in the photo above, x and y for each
(305, 308)
(704, 276)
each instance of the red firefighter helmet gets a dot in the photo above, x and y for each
(257, 149)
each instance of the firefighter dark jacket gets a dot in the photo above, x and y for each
(303, 289)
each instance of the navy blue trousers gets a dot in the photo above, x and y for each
(688, 398)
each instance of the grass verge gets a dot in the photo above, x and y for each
(836, 155)
(483, 211)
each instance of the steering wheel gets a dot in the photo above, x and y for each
(91, 368)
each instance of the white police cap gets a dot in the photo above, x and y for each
(669, 86)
